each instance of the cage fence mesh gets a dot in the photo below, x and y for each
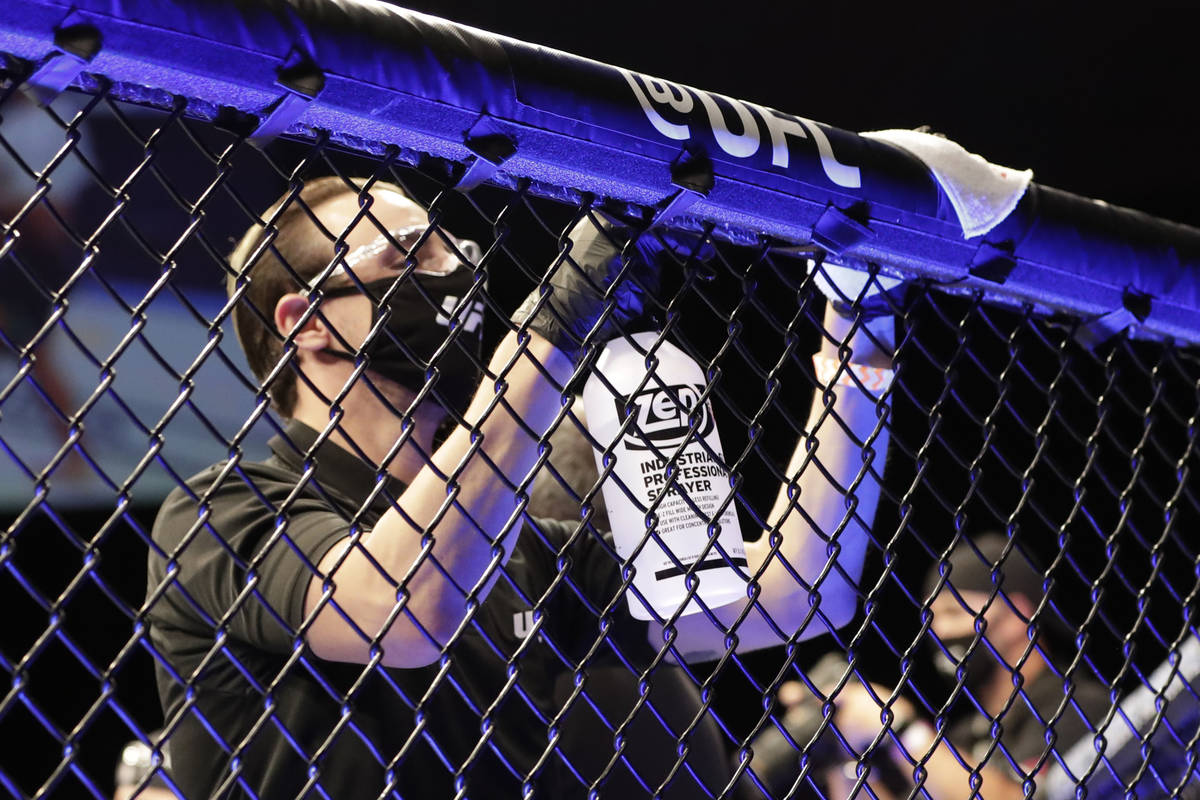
(123, 379)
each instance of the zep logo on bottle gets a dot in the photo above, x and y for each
(663, 416)
(665, 419)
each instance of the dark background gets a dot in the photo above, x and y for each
(1096, 104)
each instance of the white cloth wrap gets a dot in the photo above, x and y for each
(982, 193)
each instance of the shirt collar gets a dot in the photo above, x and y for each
(335, 468)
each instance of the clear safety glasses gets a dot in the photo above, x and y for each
(435, 254)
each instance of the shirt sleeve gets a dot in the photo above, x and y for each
(244, 558)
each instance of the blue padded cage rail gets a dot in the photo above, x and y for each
(375, 76)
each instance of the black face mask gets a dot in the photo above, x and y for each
(425, 310)
(980, 666)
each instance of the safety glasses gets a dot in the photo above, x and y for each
(434, 254)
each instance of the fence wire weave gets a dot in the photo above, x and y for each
(950, 626)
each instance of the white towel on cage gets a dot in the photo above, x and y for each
(982, 193)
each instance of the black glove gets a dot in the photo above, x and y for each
(582, 287)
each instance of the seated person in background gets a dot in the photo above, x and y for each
(987, 669)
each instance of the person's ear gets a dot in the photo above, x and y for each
(312, 335)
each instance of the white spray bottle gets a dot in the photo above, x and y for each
(655, 445)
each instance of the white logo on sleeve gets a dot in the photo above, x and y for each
(470, 318)
(522, 623)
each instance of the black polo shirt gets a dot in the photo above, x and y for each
(262, 716)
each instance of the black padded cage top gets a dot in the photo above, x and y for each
(972, 576)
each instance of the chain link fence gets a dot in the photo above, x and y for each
(339, 569)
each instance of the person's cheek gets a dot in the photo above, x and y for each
(352, 322)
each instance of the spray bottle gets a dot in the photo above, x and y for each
(655, 446)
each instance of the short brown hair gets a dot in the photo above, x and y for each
(299, 244)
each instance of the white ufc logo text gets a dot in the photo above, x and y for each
(470, 318)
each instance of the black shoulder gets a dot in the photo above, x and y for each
(220, 483)
(552, 530)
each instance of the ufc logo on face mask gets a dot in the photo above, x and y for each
(470, 318)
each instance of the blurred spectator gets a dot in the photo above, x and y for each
(987, 651)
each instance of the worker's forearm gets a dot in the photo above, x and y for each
(480, 464)
(826, 468)
(840, 459)
(464, 501)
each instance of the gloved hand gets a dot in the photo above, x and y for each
(590, 281)
(854, 292)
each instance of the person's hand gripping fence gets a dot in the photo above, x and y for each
(601, 285)
(867, 298)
